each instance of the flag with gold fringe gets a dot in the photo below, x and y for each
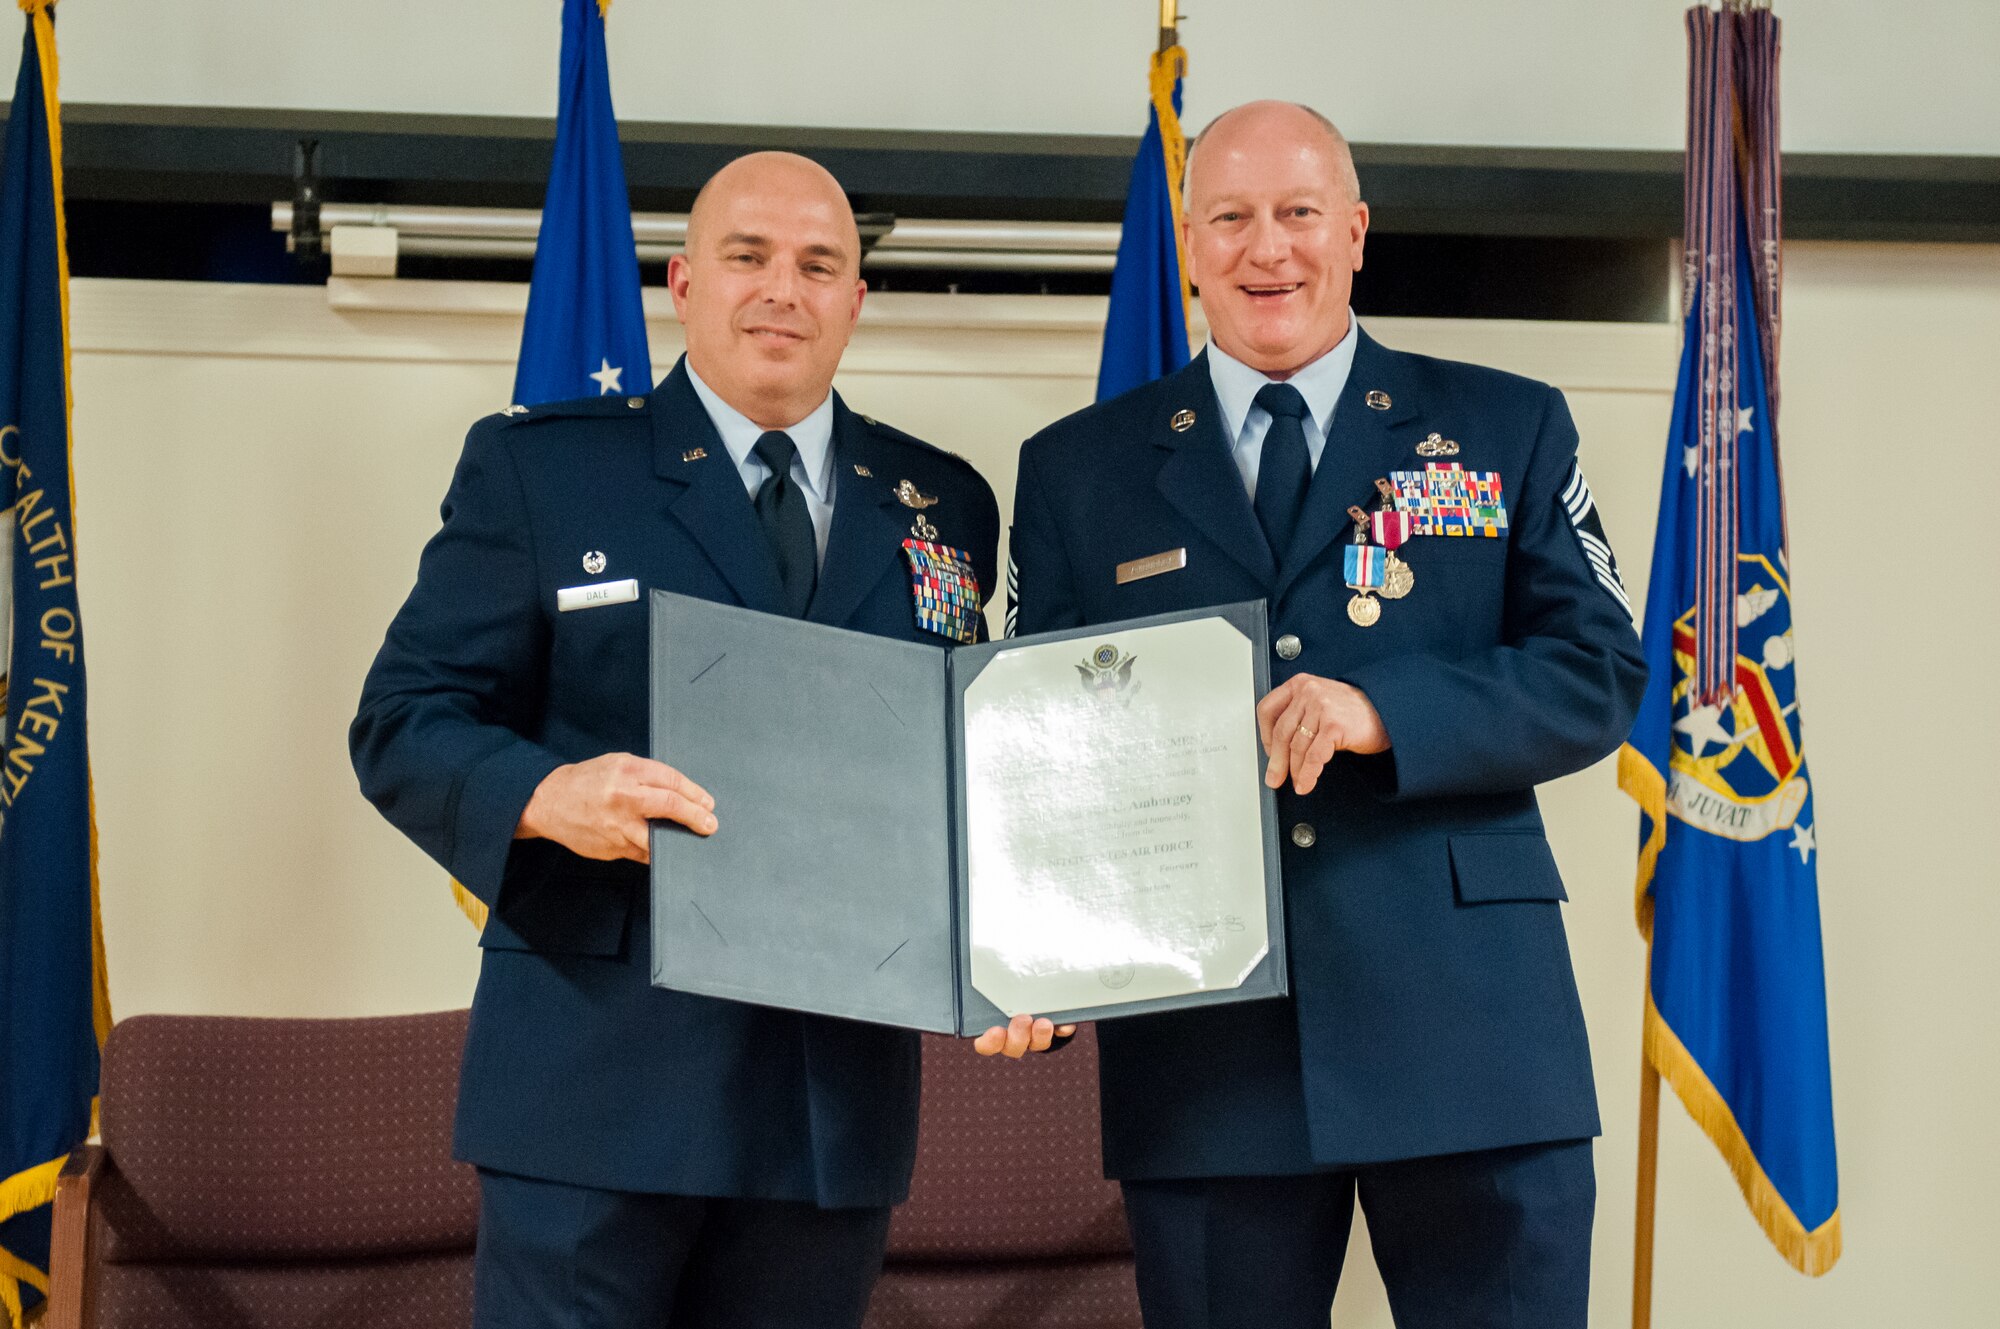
(1728, 893)
(53, 1010)
(1146, 331)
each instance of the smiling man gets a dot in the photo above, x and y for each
(1449, 632)
(648, 1157)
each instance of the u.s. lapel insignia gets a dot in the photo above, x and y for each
(1437, 446)
(694, 454)
(1182, 422)
(912, 497)
(1378, 401)
(863, 471)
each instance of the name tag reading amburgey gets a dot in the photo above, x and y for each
(1173, 560)
(598, 593)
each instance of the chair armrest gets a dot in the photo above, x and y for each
(69, 1264)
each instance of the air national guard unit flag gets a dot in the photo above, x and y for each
(1146, 333)
(53, 1010)
(586, 328)
(1736, 993)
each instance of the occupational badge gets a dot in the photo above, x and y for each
(945, 589)
(910, 496)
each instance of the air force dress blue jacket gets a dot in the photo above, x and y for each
(1434, 1009)
(577, 1069)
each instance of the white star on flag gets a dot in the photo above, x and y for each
(1802, 840)
(1703, 725)
(1691, 458)
(607, 377)
(1743, 425)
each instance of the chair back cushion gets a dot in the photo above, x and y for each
(1009, 1165)
(256, 1139)
(394, 1292)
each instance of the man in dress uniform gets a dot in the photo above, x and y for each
(1447, 635)
(648, 1157)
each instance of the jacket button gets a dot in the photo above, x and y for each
(1287, 647)
(1303, 835)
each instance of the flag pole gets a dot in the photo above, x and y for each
(1170, 24)
(1649, 1174)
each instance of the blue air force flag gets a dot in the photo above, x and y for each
(53, 1012)
(586, 328)
(1736, 991)
(1146, 333)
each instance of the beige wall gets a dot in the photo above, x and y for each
(1553, 73)
(259, 466)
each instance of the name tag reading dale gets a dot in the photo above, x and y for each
(598, 593)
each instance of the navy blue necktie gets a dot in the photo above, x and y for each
(781, 511)
(1286, 467)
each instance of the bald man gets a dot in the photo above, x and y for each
(1448, 632)
(649, 1157)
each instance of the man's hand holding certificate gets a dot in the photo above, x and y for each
(1106, 844)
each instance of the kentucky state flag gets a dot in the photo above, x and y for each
(1146, 334)
(1728, 894)
(586, 328)
(53, 1010)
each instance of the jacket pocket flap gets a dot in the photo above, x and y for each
(1486, 868)
(562, 915)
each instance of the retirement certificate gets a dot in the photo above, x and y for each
(1071, 825)
(1114, 818)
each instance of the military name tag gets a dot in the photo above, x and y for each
(1138, 569)
(598, 593)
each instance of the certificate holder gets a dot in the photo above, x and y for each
(1070, 824)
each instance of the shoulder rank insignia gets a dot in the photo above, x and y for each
(515, 409)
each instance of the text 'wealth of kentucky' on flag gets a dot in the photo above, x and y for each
(53, 1009)
(586, 328)
(1728, 866)
(1146, 332)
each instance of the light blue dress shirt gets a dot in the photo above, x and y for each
(1236, 386)
(812, 467)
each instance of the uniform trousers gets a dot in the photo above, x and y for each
(1496, 1239)
(556, 1256)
